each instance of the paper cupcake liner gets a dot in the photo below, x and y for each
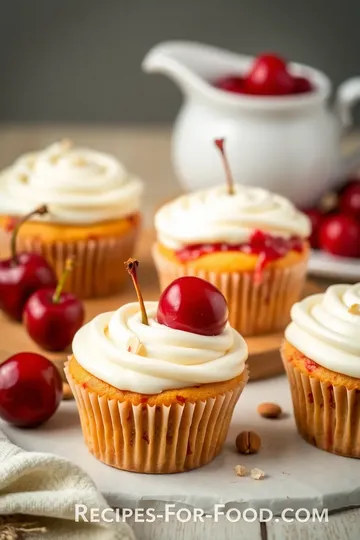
(327, 416)
(254, 308)
(99, 270)
(154, 439)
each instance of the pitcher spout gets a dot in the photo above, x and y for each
(179, 60)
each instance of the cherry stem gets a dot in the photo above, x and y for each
(229, 178)
(37, 212)
(131, 266)
(69, 265)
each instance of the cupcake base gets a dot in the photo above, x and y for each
(327, 415)
(254, 308)
(156, 439)
(99, 263)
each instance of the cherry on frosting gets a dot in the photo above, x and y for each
(193, 305)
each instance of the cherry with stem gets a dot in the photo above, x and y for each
(69, 265)
(229, 178)
(52, 316)
(40, 211)
(131, 266)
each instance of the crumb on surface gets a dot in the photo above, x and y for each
(257, 474)
(240, 470)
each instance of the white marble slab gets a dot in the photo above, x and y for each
(297, 474)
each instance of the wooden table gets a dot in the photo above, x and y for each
(146, 151)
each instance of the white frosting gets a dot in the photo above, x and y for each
(323, 329)
(212, 216)
(78, 185)
(161, 358)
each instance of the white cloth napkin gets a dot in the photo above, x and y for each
(46, 488)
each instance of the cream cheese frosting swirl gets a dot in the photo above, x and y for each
(212, 216)
(78, 185)
(326, 328)
(118, 349)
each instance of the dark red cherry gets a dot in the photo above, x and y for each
(23, 273)
(269, 77)
(193, 305)
(52, 317)
(340, 235)
(350, 200)
(30, 389)
(316, 217)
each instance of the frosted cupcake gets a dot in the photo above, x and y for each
(155, 398)
(93, 213)
(321, 356)
(248, 242)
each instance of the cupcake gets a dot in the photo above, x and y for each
(156, 382)
(248, 242)
(92, 213)
(321, 356)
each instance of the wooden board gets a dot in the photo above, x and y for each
(264, 357)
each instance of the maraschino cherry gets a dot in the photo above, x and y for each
(23, 274)
(269, 76)
(232, 83)
(30, 389)
(193, 305)
(340, 235)
(52, 317)
(131, 266)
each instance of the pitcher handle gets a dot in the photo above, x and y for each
(347, 95)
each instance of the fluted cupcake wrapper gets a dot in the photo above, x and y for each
(99, 263)
(254, 308)
(327, 416)
(154, 439)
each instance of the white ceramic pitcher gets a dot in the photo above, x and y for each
(289, 144)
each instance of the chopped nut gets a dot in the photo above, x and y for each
(354, 309)
(248, 442)
(257, 474)
(23, 178)
(269, 410)
(66, 144)
(54, 159)
(79, 161)
(240, 470)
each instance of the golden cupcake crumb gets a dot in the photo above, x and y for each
(257, 474)
(240, 470)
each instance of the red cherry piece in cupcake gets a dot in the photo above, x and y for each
(193, 305)
(350, 200)
(302, 85)
(131, 266)
(231, 83)
(22, 274)
(269, 77)
(52, 317)
(30, 389)
(220, 143)
(340, 235)
(316, 217)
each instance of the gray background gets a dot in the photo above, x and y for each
(79, 60)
